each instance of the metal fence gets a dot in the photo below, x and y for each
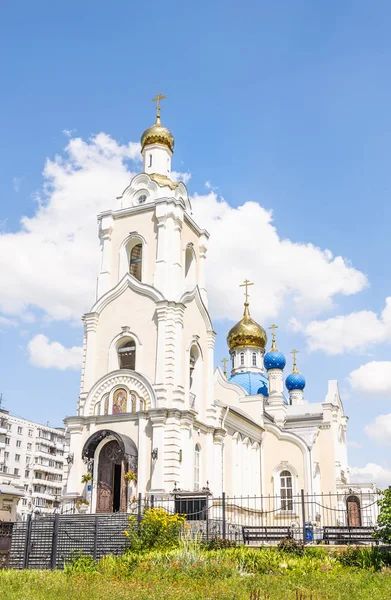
(49, 541)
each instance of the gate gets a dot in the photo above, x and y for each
(5, 543)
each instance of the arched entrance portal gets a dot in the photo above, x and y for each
(111, 485)
(109, 456)
(354, 511)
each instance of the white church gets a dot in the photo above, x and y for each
(154, 414)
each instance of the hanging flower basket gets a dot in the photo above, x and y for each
(130, 476)
(82, 505)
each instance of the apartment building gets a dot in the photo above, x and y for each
(32, 459)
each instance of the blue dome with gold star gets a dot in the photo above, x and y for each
(295, 381)
(274, 359)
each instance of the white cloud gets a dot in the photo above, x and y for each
(244, 243)
(380, 430)
(17, 182)
(176, 176)
(6, 322)
(53, 355)
(373, 378)
(51, 263)
(371, 473)
(353, 332)
(353, 444)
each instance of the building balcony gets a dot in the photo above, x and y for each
(46, 469)
(47, 482)
(3, 429)
(46, 495)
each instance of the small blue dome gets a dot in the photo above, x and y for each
(295, 381)
(274, 359)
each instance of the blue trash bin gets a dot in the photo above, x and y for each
(309, 534)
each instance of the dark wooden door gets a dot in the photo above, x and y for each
(111, 488)
(354, 512)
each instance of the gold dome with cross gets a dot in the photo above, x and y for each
(246, 332)
(157, 134)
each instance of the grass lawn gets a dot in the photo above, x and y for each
(40, 585)
(190, 575)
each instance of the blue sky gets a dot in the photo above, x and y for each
(285, 105)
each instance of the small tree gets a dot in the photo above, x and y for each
(384, 518)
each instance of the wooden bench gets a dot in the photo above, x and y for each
(274, 533)
(348, 535)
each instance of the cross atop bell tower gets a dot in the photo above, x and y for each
(157, 145)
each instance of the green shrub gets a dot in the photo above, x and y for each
(158, 529)
(218, 543)
(80, 563)
(383, 532)
(291, 546)
(361, 558)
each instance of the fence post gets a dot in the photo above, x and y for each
(95, 547)
(139, 510)
(223, 507)
(53, 556)
(26, 553)
(303, 515)
(207, 519)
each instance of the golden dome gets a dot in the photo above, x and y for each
(157, 134)
(246, 333)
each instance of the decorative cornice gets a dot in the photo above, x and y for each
(195, 294)
(128, 281)
(90, 321)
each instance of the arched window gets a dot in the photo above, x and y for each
(195, 377)
(354, 511)
(254, 359)
(286, 490)
(136, 260)
(190, 267)
(233, 360)
(197, 466)
(127, 355)
(241, 359)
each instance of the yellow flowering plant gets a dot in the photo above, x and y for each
(158, 529)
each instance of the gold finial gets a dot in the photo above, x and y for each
(158, 107)
(225, 360)
(294, 352)
(246, 284)
(273, 327)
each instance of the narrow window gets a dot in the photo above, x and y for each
(197, 453)
(241, 359)
(136, 259)
(254, 359)
(233, 360)
(127, 355)
(150, 160)
(286, 490)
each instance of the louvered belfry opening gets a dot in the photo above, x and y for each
(136, 259)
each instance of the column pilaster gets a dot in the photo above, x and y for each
(158, 419)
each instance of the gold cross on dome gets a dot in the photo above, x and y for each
(294, 352)
(246, 284)
(225, 360)
(273, 328)
(157, 100)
